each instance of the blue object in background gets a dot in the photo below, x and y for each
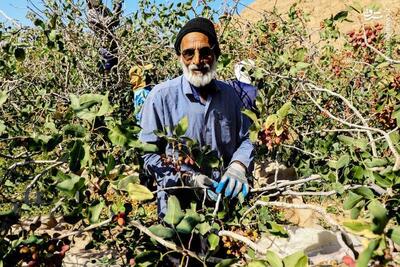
(246, 92)
(139, 97)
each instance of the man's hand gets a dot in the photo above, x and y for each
(201, 180)
(234, 181)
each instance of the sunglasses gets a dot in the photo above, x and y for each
(204, 52)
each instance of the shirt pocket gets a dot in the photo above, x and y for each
(223, 128)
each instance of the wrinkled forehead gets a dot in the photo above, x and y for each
(194, 40)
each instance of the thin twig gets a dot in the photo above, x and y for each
(23, 163)
(313, 177)
(37, 177)
(90, 227)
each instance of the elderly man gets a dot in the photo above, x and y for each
(213, 111)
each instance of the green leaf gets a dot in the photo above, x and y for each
(251, 115)
(257, 263)
(273, 259)
(76, 155)
(227, 262)
(277, 229)
(375, 162)
(188, 222)
(396, 115)
(298, 259)
(139, 192)
(365, 192)
(105, 107)
(117, 137)
(174, 212)
(379, 213)
(182, 126)
(147, 258)
(271, 119)
(343, 161)
(148, 148)
(86, 159)
(123, 183)
(203, 228)
(366, 255)
(213, 241)
(95, 211)
(394, 234)
(360, 143)
(341, 15)
(3, 97)
(300, 55)
(71, 185)
(284, 110)
(53, 35)
(253, 136)
(301, 65)
(162, 231)
(376, 178)
(355, 212)
(356, 225)
(74, 101)
(2, 127)
(19, 53)
(39, 23)
(351, 200)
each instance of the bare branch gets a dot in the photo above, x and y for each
(10, 19)
(313, 177)
(90, 227)
(356, 112)
(385, 135)
(243, 239)
(37, 177)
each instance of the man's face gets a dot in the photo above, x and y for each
(197, 59)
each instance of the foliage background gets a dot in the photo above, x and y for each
(69, 144)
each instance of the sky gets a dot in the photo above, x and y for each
(17, 9)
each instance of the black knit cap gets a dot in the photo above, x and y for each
(202, 25)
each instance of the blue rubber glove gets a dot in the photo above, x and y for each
(234, 181)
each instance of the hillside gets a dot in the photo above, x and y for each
(384, 11)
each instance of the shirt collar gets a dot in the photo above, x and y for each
(189, 89)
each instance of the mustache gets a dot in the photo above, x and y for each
(205, 67)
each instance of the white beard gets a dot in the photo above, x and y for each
(199, 79)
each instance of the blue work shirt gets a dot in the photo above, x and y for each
(218, 123)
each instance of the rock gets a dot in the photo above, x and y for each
(301, 217)
(264, 173)
(319, 245)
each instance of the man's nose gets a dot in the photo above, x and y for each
(196, 58)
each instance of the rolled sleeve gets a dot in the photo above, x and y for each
(245, 151)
